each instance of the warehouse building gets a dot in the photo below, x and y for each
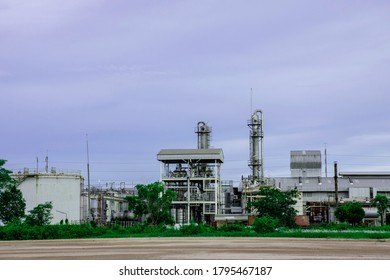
(319, 194)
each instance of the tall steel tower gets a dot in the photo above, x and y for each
(256, 147)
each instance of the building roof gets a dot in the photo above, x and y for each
(198, 155)
(365, 174)
(305, 152)
(327, 184)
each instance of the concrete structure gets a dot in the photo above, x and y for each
(61, 187)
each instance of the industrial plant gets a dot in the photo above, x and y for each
(202, 196)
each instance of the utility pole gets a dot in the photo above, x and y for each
(336, 187)
(326, 163)
(89, 184)
(47, 163)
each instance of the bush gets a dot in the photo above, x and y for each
(40, 215)
(155, 229)
(232, 228)
(101, 230)
(277, 204)
(351, 212)
(136, 228)
(193, 229)
(341, 226)
(265, 224)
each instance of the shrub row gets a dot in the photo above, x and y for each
(65, 231)
(28, 232)
(263, 227)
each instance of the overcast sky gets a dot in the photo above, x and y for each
(137, 76)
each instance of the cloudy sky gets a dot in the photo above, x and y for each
(137, 76)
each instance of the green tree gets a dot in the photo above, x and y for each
(40, 215)
(5, 178)
(152, 201)
(381, 202)
(276, 204)
(12, 203)
(351, 212)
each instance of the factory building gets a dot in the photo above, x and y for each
(108, 204)
(62, 187)
(194, 175)
(202, 196)
(319, 194)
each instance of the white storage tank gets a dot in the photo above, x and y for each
(63, 190)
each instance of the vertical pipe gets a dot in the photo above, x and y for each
(262, 148)
(326, 163)
(336, 187)
(81, 199)
(217, 188)
(161, 171)
(188, 198)
(47, 164)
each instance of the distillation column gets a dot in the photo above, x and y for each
(203, 131)
(256, 147)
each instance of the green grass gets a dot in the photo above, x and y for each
(26, 232)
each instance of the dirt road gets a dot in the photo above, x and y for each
(196, 249)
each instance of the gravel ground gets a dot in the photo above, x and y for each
(196, 249)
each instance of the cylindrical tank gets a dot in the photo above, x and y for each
(203, 131)
(128, 215)
(180, 216)
(173, 214)
(223, 203)
(93, 203)
(118, 216)
(123, 216)
(371, 213)
(228, 199)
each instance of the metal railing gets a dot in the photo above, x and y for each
(52, 171)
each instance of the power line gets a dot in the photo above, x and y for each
(374, 156)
